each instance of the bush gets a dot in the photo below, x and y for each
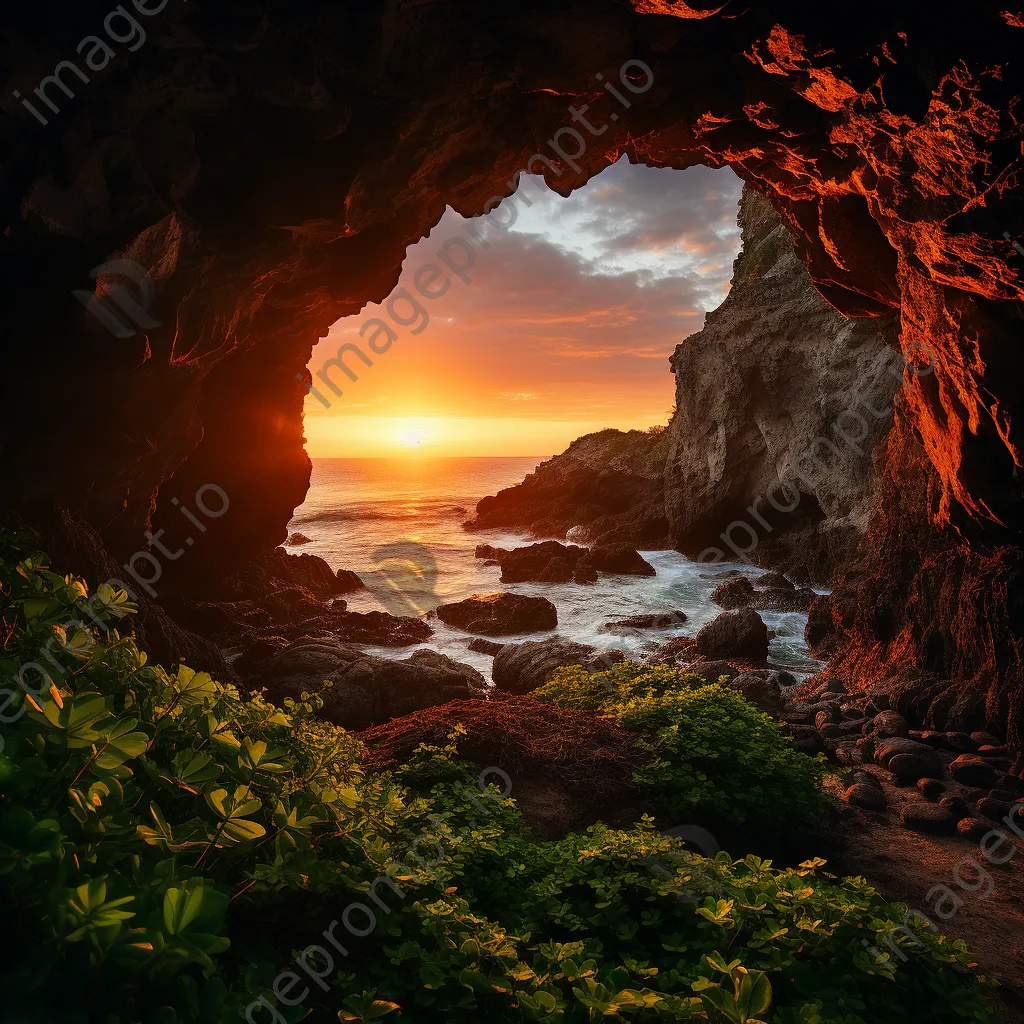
(169, 849)
(713, 754)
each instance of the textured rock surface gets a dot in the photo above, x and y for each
(764, 394)
(500, 614)
(738, 634)
(520, 668)
(605, 488)
(365, 690)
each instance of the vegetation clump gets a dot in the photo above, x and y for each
(712, 754)
(174, 853)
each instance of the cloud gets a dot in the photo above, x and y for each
(574, 309)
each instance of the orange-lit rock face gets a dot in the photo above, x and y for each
(270, 171)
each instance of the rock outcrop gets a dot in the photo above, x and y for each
(364, 690)
(553, 562)
(500, 614)
(604, 488)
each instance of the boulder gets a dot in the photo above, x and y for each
(364, 689)
(500, 614)
(774, 581)
(956, 805)
(974, 828)
(930, 789)
(531, 564)
(927, 759)
(931, 819)
(739, 634)
(870, 798)
(710, 670)
(758, 690)
(295, 539)
(996, 810)
(520, 668)
(618, 559)
(379, 629)
(890, 723)
(733, 594)
(911, 767)
(971, 770)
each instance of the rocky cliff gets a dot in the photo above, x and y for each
(780, 402)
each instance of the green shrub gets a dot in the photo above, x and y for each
(168, 848)
(713, 755)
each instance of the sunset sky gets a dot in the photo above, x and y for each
(565, 325)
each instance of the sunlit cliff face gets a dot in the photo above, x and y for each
(562, 325)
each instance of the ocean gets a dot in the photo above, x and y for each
(397, 523)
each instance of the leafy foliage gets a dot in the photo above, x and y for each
(170, 849)
(714, 755)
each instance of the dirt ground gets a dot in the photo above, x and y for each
(904, 866)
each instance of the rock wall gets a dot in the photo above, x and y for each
(780, 401)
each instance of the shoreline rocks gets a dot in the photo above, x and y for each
(553, 562)
(365, 689)
(500, 614)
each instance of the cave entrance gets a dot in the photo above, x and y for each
(506, 337)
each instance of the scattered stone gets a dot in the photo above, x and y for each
(484, 646)
(295, 539)
(782, 678)
(659, 620)
(996, 810)
(847, 753)
(890, 723)
(971, 770)
(931, 819)
(973, 828)
(835, 686)
(868, 797)
(888, 748)
(740, 634)
(911, 767)
(500, 614)
(734, 594)
(822, 719)
(1007, 794)
(861, 777)
(996, 753)
(931, 789)
(866, 745)
(956, 805)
